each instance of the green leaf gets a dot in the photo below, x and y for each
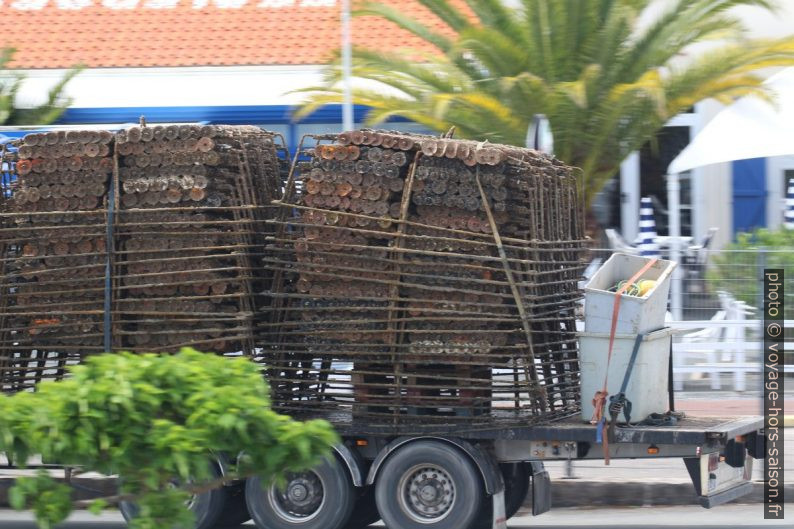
(97, 506)
(16, 498)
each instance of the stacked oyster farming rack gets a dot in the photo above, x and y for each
(142, 240)
(53, 246)
(191, 201)
(423, 281)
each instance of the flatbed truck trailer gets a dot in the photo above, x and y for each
(472, 479)
(479, 479)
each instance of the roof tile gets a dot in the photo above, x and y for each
(98, 36)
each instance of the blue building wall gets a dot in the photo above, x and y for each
(278, 118)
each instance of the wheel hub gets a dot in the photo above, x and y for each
(301, 499)
(427, 493)
(298, 492)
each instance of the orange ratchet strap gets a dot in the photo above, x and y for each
(600, 398)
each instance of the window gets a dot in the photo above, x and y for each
(655, 157)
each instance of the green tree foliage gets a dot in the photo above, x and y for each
(43, 114)
(153, 420)
(606, 81)
(733, 269)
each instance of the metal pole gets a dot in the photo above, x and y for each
(760, 264)
(630, 196)
(674, 223)
(347, 68)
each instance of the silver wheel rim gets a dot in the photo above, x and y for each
(301, 500)
(426, 493)
(190, 502)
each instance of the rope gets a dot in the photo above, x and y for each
(600, 397)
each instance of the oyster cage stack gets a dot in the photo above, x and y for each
(53, 245)
(423, 284)
(142, 240)
(191, 202)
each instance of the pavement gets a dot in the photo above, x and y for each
(730, 404)
(724, 517)
(625, 483)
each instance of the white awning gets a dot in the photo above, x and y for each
(749, 128)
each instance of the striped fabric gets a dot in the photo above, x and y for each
(648, 245)
(788, 219)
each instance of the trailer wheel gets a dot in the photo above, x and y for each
(516, 478)
(321, 498)
(429, 485)
(206, 507)
(234, 511)
(365, 512)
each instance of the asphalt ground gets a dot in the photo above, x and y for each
(726, 517)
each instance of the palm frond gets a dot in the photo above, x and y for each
(405, 22)
(449, 14)
(606, 83)
(55, 105)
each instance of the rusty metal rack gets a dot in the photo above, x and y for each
(423, 282)
(142, 241)
(404, 280)
(191, 202)
(53, 248)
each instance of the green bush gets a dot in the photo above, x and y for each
(736, 269)
(152, 419)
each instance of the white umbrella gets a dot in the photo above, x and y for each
(749, 128)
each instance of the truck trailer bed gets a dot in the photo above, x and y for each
(688, 430)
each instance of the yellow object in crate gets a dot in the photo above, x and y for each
(638, 289)
(645, 286)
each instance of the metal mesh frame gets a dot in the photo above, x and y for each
(446, 301)
(149, 267)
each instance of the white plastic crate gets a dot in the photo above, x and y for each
(647, 388)
(637, 314)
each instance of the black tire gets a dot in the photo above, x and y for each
(365, 512)
(330, 508)
(235, 511)
(206, 507)
(450, 485)
(516, 478)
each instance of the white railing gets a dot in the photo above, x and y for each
(711, 348)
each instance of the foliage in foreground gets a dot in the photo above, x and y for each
(152, 419)
(44, 114)
(606, 81)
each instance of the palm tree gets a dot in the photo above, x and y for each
(44, 114)
(606, 82)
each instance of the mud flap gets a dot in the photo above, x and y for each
(541, 489)
(718, 481)
(499, 514)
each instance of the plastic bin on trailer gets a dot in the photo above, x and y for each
(647, 386)
(636, 314)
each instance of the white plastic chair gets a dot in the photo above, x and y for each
(617, 242)
(721, 347)
(686, 349)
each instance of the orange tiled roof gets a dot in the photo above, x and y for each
(145, 33)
